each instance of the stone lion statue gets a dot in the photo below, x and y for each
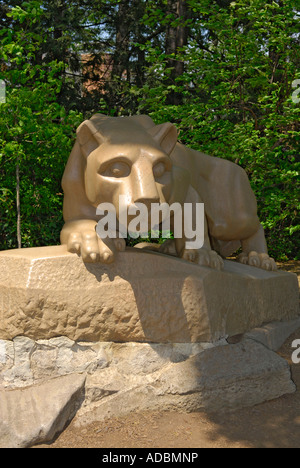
(132, 156)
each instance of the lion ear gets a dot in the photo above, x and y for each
(89, 137)
(166, 136)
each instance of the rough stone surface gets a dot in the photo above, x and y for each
(274, 334)
(217, 379)
(142, 297)
(25, 362)
(35, 414)
(148, 332)
(44, 383)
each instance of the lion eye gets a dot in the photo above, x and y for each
(117, 169)
(159, 170)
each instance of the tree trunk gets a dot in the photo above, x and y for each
(121, 55)
(176, 38)
(18, 204)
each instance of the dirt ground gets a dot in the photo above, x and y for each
(272, 424)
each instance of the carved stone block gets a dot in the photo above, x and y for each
(143, 297)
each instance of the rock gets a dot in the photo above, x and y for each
(147, 332)
(36, 414)
(7, 354)
(218, 379)
(230, 377)
(44, 358)
(274, 334)
(125, 377)
(24, 361)
(142, 297)
(16, 366)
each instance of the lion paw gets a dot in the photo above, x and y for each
(168, 247)
(81, 238)
(259, 260)
(203, 257)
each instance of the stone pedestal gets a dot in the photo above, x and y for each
(145, 333)
(142, 297)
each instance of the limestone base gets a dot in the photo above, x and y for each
(142, 297)
(44, 383)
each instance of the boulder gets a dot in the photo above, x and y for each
(37, 413)
(37, 398)
(218, 379)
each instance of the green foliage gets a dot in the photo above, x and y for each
(35, 135)
(155, 237)
(237, 104)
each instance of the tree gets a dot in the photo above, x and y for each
(35, 138)
(236, 101)
(177, 33)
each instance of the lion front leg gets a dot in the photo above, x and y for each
(255, 252)
(80, 237)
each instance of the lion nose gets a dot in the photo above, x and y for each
(147, 201)
(145, 190)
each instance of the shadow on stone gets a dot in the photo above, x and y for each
(158, 284)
